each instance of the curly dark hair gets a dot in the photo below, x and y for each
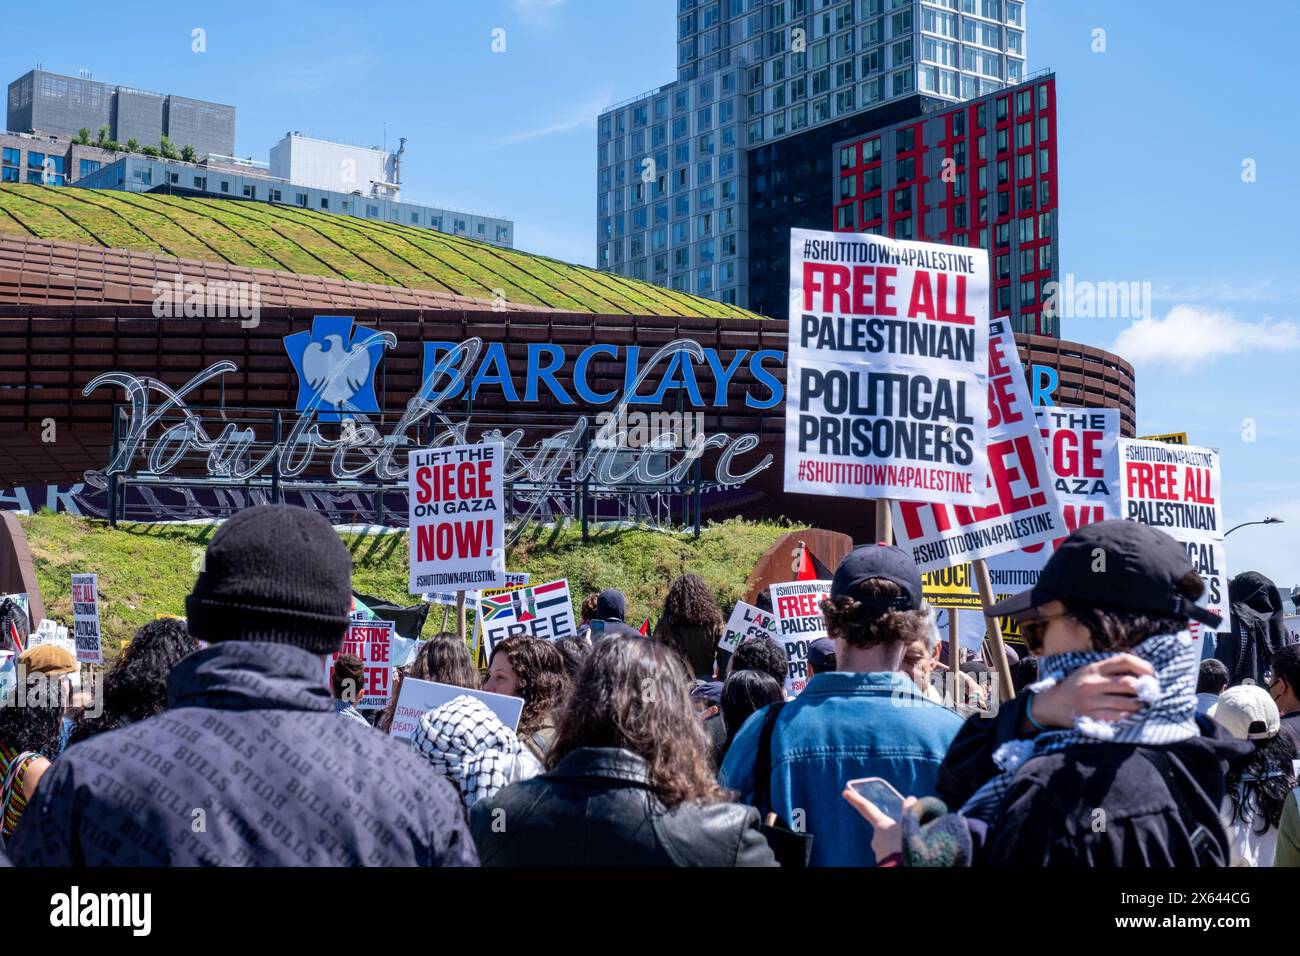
(443, 658)
(32, 719)
(588, 609)
(1260, 782)
(861, 626)
(632, 694)
(135, 686)
(689, 601)
(1117, 630)
(542, 678)
(761, 654)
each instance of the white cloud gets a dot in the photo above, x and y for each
(1189, 335)
(536, 12)
(581, 116)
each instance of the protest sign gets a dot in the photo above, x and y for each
(541, 610)
(85, 618)
(799, 622)
(1082, 447)
(746, 621)
(1177, 488)
(1169, 438)
(952, 587)
(448, 598)
(886, 388)
(370, 640)
(1291, 624)
(456, 517)
(1022, 508)
(971, 627)
(418, 697)
(50, 632)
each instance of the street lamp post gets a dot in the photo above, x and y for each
(1245, 523)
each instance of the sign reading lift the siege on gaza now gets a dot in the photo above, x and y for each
(456, 497)
(886, 393)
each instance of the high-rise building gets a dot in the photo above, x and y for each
(980, 174)
(674, 177)
(41, 102)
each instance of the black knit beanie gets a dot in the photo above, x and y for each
(274, 573)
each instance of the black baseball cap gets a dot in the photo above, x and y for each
(1139, 574)
(878, 561)
(821, 654)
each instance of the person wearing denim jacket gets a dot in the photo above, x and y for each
(866, 719)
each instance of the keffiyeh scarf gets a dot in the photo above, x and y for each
(469, 745)
(1168, 715)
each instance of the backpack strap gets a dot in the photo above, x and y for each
(763, 763)
(1205, 848)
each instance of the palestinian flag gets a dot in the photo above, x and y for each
(645, 628)
(810, 568)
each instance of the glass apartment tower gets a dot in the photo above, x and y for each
(672, 169)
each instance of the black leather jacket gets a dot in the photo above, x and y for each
(597, 809)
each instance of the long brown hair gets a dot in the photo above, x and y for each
(443, 658)
(689, 601)
(542, 678)
(632, 694)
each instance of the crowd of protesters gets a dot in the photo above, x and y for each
(215, 740)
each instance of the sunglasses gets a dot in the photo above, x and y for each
(1033, 631)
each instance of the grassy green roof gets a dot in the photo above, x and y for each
(147, 569)
(286, 238)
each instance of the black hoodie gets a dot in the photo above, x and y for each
(1257, 628)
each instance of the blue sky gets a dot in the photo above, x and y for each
(1153, 135)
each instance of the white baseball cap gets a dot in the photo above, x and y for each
(1247, 712)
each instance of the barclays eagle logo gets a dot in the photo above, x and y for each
(336, 370)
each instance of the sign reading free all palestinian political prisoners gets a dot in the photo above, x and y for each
(1177, 488)
(746, 621)
(370, 640)
(886, 388)
(85, 618)
(799, 622)
(540, 610)
(456, 517)
(1022, 508)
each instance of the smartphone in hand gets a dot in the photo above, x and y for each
(879, 792)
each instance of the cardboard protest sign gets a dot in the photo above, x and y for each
(418, 697)
(799, 622)
(370, 640)
(1178, 489)
(746, 621)
(886, 388)
(85, 618)
(1022, 508)
(456, 517)
(540, 610)
(513, 580)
